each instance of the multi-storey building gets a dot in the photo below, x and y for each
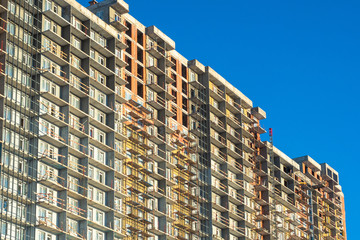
(109, 133)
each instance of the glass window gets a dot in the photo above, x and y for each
(47, 5)
(47, 24)
(102, 98)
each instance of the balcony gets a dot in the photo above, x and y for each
(77, 69)
(218, 173)
(233, 121)
(219, 156)
(215, 109)
(53, 98)
(53, 181)
(155, 50)
(156, 70)
(157, 102)
(120, 191)
(220, 221)
(52, 115)
(54, 54)
(56, 17)
(233, 106)
(120, 6)
(218, 140)
(118, 23)
(80, 30)
(285, 199)
(261, 199)
(261, 185)
(52, 137)
(246, 117)
(55, 74)
(50, 202)
(237, 231)
(55, 37)
(246, 131)
(257, 128)
(235, 152)
(235, 166)
(216, 93)
(157, 230)
(237, 214)
(46, 224)
(219, 188)
(154, 85)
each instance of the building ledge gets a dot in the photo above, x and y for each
(155, 33)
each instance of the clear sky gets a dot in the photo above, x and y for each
(298, 60)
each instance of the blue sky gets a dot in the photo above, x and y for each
(298, 60)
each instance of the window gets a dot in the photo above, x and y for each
(10, 49)
(100, 217)
(192, 77)
(101, 118)
(91, 152)
(77, 23)
(335, 177)
(75, 101)
(101, 78)
(11, 7)
(329, 172)
(55, 28)
(76, 43)
(28, 18)
(92, 92)
(90, 195)
(100, 236)
(92, 73)
(91, 132)
(91, 172)
(47, 5)
(90, 215)
(151, 61)
(27, 59)
(75, 61)
(3, 228)
(92, 54)
(92, 112)
(47, 24)
(101, 157)
(10, 72)
(27, 38)
(101, 137)
(101, 177)
(102, 41)
(11, 28)
(101, 60)
(102, 98)
(150, 77)
(90, 233)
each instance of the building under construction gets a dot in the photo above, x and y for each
(107, 132)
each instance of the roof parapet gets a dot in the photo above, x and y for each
(119, 5)
(155, 33)
(245, 101)
(308, 162)
(196, 66)
(87, 12)
(286, 158)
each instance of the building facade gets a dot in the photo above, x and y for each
(107, 132)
